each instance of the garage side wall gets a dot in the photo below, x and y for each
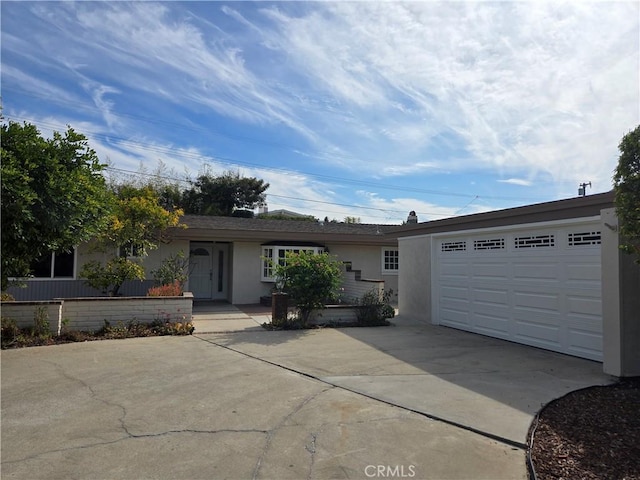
(414, 280)
(620, 303)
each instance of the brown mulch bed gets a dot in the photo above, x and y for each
(592, 433)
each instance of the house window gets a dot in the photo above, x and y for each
(55, 265)
(390, 260)
(131, 249)
(277, 253)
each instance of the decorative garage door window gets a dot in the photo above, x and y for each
(489, 244)
(535, 241)
(277, 253)
(582, 239)
(453, 246)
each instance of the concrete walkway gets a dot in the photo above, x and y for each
(218, 317)
(408, 401)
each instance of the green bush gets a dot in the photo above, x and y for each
(374, 308)
(10, 330)
(41, 326)
(174, 268)
(109, 278)
(309, 278)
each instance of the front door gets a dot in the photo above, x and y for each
(209, 273)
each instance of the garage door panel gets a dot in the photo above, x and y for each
(585, 344)
(584, 305)
(455, 318)
(535, 271)
(544, 302)
(496, 326)
(495, 297)
(490, 271)
(454, 270)
(531, 332)
(539, 287)
(453, 293)
(584, 275)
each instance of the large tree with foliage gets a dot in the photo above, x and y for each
(626, 182)
(137, 224)
(224, 194)
(54, 195)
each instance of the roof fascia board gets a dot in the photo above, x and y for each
(581, 207)
(520, 226)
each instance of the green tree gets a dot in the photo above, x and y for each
(311, 279)
(54, 195)
(137, 224)
(223, 195)
(626, 184)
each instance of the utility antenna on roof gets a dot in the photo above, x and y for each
(582, 191)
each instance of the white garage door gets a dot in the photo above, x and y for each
(538, 285)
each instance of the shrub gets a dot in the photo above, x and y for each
(110, 277)
(174, 268)
(10, 330)
(171, 290)
(41, 326)
(7, 297)
(309, 278)
(374, 308)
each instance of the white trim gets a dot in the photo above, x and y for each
(385, 271)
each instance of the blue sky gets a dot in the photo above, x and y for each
(365, 109)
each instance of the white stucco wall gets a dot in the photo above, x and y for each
(86, 253)
(414, 279)
(246, 286)
(367, 259)
(246, 261)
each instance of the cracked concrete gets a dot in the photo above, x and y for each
(184, 408)
(483, 384)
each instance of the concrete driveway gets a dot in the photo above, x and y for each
(409, 401)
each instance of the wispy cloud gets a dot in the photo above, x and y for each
(517, 181)
(515, 91)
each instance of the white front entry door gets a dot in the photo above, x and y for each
(209, 273)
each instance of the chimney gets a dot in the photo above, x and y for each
(263, 208)
(412, 218)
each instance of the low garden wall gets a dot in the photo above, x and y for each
(24, 313)
(334, 314)
(90, 313)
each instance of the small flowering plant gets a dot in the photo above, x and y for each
(171, 290)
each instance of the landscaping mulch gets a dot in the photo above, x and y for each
(592, 433)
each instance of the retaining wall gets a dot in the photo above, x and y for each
(90, 313)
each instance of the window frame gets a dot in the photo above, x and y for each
(396, 260)
(271, 252)
(135, 251)
(52, 268)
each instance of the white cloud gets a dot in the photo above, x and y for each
(517, 181)
(522, 90)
